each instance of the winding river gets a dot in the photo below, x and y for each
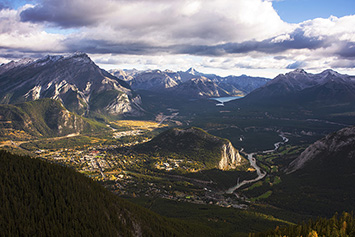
(261, 174)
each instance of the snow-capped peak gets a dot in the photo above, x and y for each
(192, 71)
(79, 57)
(48, 59)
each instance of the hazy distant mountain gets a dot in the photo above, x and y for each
(191, 83)
(154, 80)
(74, 80)
(301, 87)
(202, 87)
(191, 73)
(243, 83)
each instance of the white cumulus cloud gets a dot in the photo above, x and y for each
(26, 36)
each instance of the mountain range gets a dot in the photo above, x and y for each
(75, 80)
(190, 83)
(81, 85)
(300, 87)
(84, 88)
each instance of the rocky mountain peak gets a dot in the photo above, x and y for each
(297, 76)
(73, 79)
(299, 71)
(78, 57)
(79, 54)
(331, 75)
(331, 72)
(192, 71)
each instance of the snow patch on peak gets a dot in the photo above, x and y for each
(14, 64)
(48, 59)
(330, 71)
(298, 71)
(79, 54)
(78, 57)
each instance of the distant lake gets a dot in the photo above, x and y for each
(226, 99)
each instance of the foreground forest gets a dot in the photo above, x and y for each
(43, 199)
(343, 225)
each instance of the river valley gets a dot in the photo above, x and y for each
(261, 174)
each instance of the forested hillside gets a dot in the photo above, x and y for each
(336, 226)
(43, 199)
(41, 118)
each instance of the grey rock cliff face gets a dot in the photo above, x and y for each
(332, 144)
(69, 122)
(230, 157)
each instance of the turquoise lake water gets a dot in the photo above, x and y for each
(226, 99)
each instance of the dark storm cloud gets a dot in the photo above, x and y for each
(103, 47)
(297, 40)
(38, 14)
(347, 50)
(62, 13)
(11, 54)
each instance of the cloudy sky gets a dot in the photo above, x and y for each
(254, 37)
